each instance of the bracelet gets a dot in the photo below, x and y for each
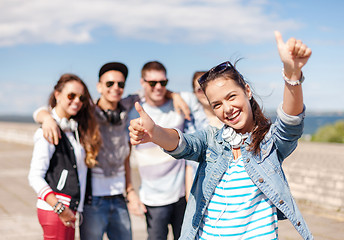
(59, 209)
(293, 82)
(54, 207)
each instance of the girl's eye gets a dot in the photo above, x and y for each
(215, 106)
(231, 97)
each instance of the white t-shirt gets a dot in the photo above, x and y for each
(162, 176)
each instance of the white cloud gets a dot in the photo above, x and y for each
(64, 21)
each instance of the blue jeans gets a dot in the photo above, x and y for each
(158, 218)
(106, 214)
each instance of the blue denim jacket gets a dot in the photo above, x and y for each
(214, 154)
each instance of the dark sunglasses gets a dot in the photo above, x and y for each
(111, 83)
(72, 96)
(222, 67)
(153, 83)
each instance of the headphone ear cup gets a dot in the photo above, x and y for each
(70, 124)
(113, 117)
(64, 124)
(233, 138)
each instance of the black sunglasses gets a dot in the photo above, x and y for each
(111, 83)
(217, 69)
(153, 83)
(72, 96)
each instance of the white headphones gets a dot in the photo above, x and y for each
(232, 137)
(68, 125)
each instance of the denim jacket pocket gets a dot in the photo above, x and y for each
(211, 157)
(268, 159)
(265, 148)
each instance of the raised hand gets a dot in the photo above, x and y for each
(294, 55)
(141, 129)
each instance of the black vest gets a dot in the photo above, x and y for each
(64, 159)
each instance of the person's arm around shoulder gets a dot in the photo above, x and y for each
(179, 104)
(143, 129)
(294, 55)
(51, 131)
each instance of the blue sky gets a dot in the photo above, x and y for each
(40, 40)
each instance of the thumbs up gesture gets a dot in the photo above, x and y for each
(294, 55)
(141, 129)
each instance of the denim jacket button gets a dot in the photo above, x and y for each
(261, 180)
(298, 224)
(281, 202)
(248, 160)
(247, 148)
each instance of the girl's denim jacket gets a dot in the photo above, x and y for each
(214, 155)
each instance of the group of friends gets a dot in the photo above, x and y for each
(209, 161)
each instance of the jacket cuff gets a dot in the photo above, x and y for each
(43, 194)
(289, 119)
(181, 144)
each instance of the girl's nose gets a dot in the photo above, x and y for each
(227, 107)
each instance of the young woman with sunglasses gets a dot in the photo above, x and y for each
(58, 172)
(240, 190)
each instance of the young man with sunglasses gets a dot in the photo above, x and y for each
(162, 177)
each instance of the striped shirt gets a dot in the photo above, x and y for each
(238, 209)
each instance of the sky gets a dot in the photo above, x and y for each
(40, 40)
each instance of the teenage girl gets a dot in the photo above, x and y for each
(240, 190)
(58, 172)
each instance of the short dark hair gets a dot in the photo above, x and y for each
(153, 65)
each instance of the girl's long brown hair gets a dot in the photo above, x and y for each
(261, 123)
(87, 124)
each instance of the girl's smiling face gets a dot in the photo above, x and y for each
(231, 103)
(65, 107)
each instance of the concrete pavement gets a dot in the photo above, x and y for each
(18, 218)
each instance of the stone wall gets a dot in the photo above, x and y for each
(315, 172)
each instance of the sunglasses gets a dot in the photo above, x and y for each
(222, 67)
(72, 96)
(111, 83)
(163, 83)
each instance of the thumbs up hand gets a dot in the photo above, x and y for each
(294, 55)
(141, 129)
